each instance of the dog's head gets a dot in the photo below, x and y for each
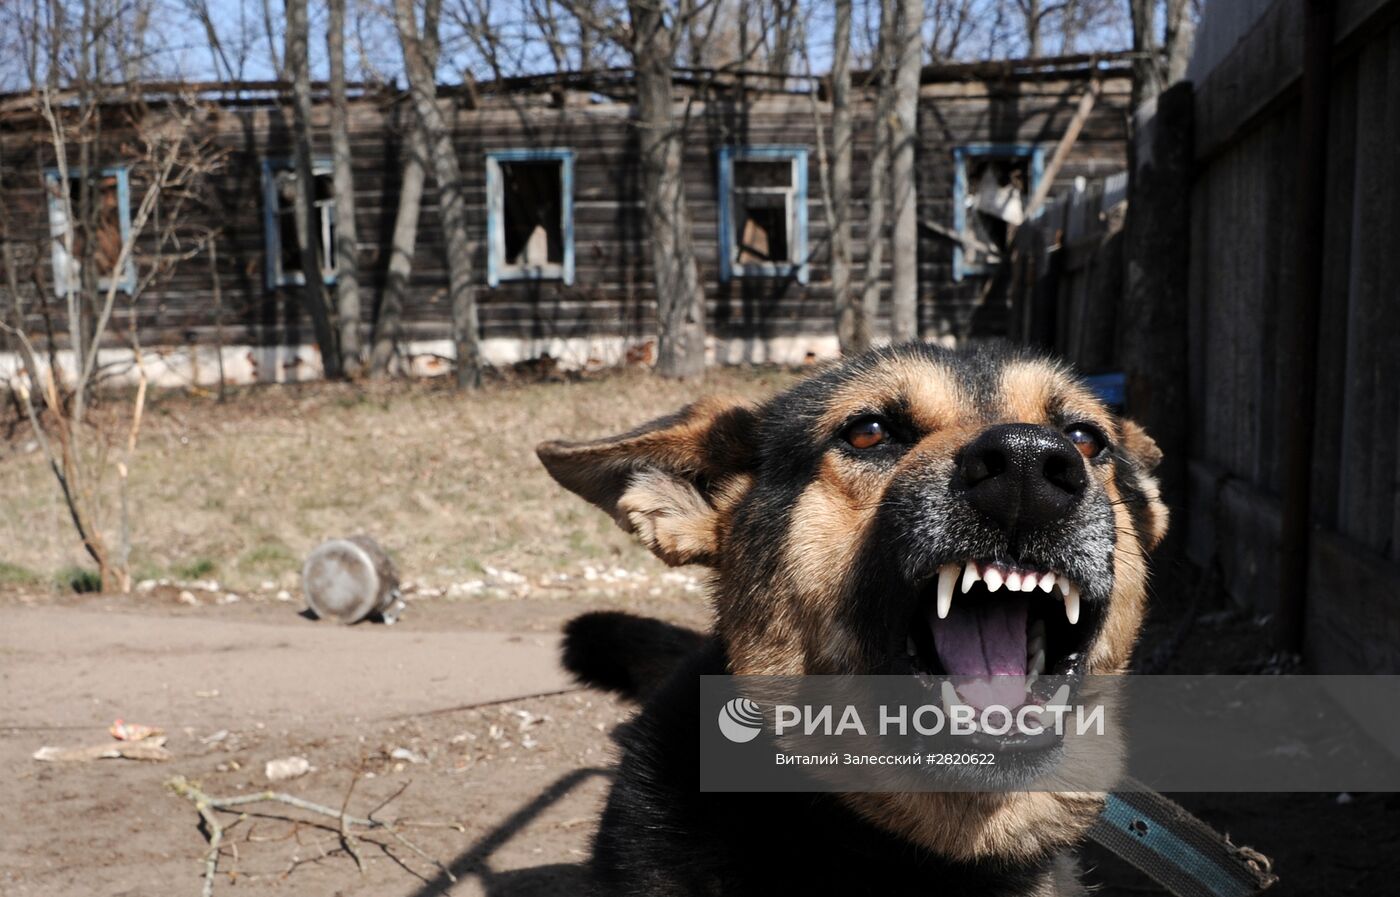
(912, 510)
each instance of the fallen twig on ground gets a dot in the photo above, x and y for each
(207, 805)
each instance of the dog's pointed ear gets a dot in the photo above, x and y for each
(1142, 450)
(662, 480)
(1139, 446)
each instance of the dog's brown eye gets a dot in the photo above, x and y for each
(866, 433)
(1087, 439)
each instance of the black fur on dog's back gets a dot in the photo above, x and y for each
(626, 654)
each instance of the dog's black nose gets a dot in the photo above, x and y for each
(1022, 476)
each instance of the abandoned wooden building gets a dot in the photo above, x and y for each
(553, 184)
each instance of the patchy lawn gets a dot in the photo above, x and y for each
(238, 492)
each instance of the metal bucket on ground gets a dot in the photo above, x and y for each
(351, 579)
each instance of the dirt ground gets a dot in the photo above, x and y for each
(460, 709)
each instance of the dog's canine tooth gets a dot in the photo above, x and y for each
(1047, 582)
(1037, 664)
(1072, 604)
(1028, 582)
(1064, 584)
(970, 576)
(950, 696)
(947, 582)
(993, 578)
(1060, 698)
(1013, 581)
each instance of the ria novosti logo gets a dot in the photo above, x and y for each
(740, 720)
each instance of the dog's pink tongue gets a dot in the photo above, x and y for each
(985, 639)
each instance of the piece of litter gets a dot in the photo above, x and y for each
(286, 768)
(399, 753)
(123, 731)
(152, 749)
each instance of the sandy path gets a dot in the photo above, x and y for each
(519, 774)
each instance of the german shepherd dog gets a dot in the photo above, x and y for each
(828, 518)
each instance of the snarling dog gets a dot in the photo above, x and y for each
(914, 510)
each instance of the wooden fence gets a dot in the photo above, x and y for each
(1253, 301)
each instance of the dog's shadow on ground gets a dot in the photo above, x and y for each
(552, 880)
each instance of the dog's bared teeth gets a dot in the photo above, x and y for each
(1013, 581)
(1027, 582)
(970, 576)
(1047, 582)
(1063, 583)
(1037, 663)
(947, 582)
(1060, 698)
(993, 578)
(1072, 605)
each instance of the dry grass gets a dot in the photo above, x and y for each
(240, 491)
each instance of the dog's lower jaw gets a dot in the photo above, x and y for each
(1022, 826)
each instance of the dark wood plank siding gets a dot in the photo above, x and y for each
(1243, 260)
(611, 293)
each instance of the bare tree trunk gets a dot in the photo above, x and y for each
(1031, 10)
(1180, 37)
(852, 327)
(1147, 78)
(878, 198)
(401, 249)
(308, 225)
(680, 299)
(453, 201)
(347, 256)
(405, 237)
(904, 321)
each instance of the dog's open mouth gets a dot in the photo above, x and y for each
(1004, 634)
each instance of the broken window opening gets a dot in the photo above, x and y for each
(284, 267)
(991, 193)
(530, 215)
(99, 234)
(763, 194)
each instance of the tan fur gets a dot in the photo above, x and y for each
(974, 825)
(671, 518)
(930, 389)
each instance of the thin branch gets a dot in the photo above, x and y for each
(207, 804)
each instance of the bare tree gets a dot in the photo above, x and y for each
(680, 299)
(878, 197)
(97, 262)
(405, 236)
(307, 216)
(904, 318)
(852, 326)
(453, 201)
(1180, 36)
(346, 248)
(1160, 61)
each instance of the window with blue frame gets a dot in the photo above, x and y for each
(530, 215)
(763, 212)
(992, 186)
(279, 181)
(105, 224)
